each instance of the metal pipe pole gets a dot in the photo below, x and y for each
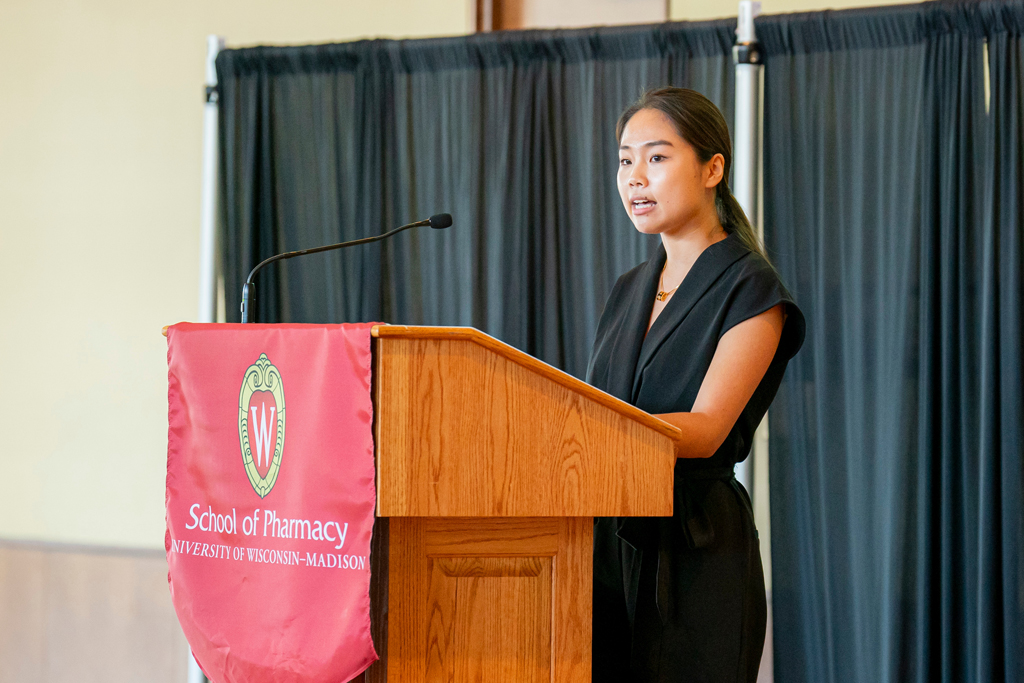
(195, 674)
(208, 225)
(208, 218)
(748, 57)
(746, 182)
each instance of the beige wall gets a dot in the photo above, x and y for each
(574, 13)
(100, 153)
(696, 10)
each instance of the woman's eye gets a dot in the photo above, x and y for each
(657, 157)
(624, 162)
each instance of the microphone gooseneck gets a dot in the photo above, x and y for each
(437, 221)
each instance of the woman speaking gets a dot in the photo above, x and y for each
(699, 335)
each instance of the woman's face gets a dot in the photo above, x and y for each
(664, 186)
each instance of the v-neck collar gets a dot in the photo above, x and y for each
(710, 264)
(627, 336)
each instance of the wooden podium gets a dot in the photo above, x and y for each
(491, 466)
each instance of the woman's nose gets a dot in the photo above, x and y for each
(637, 178)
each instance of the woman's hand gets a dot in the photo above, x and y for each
(740, 361)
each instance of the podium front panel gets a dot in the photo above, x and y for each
(463, 430)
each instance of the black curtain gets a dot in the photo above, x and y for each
(893, 209)
(892, 203)
(512, 133)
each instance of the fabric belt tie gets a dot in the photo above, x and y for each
(654, 535)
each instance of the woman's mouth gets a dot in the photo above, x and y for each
(642, 206)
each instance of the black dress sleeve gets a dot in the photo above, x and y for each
(757, 288)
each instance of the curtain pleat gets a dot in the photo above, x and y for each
(892, 208)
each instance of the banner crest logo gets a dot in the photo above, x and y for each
(261, 424)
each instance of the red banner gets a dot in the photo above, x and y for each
(270, 499)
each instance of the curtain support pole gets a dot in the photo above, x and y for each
(208, 225)
(208, 217)
(748, 56)
(746, 181)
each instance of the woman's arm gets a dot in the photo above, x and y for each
(740, 361)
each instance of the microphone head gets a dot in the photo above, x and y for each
(441, 220)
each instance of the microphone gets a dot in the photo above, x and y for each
(437, 221)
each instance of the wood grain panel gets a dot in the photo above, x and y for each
(408, 578)
(503, 623)
(475, 567)
(495, 536)
(463, 430)
(441, 611)
(573, 600)
(507, 601)
(489, 618)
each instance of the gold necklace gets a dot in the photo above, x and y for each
(662, 294)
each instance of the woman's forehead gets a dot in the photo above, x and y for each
(648, 126)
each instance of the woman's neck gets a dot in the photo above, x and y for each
(683, 247)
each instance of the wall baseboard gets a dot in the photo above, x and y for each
(79, 548)
(78, 614)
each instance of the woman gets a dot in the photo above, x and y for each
(699, 335)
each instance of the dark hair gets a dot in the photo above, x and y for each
(700, 123)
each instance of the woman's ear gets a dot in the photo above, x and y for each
(715, 169)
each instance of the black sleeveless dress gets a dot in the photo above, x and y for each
(682, 598)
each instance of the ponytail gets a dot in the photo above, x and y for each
(734, 220)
